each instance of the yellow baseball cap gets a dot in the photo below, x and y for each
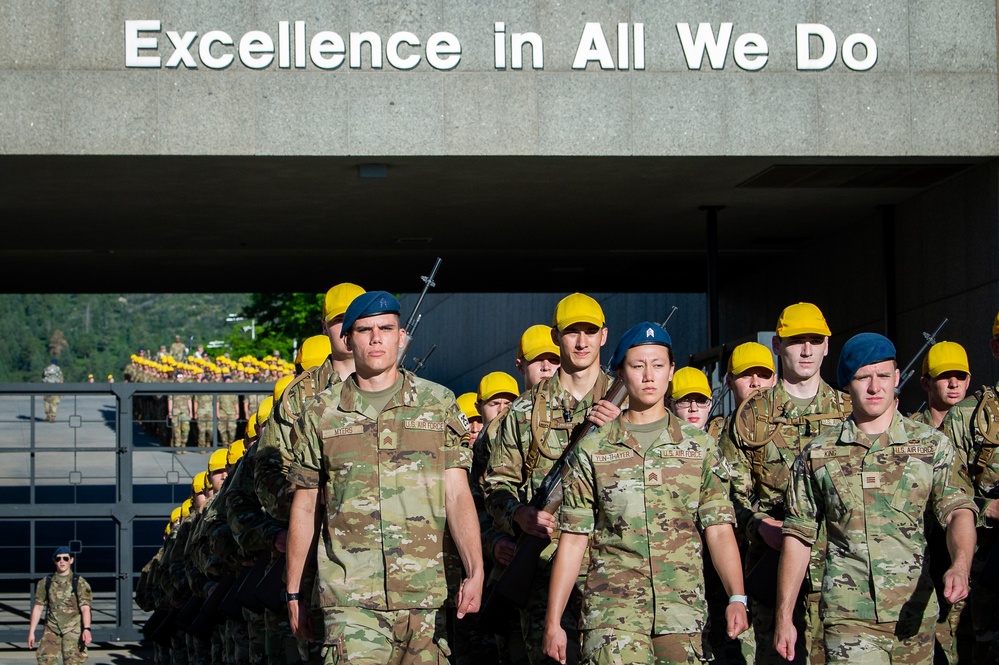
(264, 410)
(689, 380)
(217, 461)
(280, 386)
(199, 482)
(314, 351)
(749, 355)
(536, 341)
(175, 514)
(803, 318)
(577, 308)
(497, 383)
(995, 326)
(945, 357)
(338, 298)
(251, 426)
(466, 402)
(236, 450)
(185, 508)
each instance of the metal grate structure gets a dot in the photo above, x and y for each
(102, 480)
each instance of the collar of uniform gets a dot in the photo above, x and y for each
(597, 392)
(896, 431)
(352, 401)
(823, 398)
(620, 433)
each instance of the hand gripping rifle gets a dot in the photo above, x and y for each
(910, 369)
(414, 319)
(516, 582)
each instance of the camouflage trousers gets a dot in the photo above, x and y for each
(280, 644)
(199, 652)
(178, 649)
(56, 647)
(613, 647)
(227, 429)
(205, 432)
(908, 641)
(51, 406)
(237, 643)
(401, 637)
(807, 621)
(181, 431)
(954, 636)
(256, 637)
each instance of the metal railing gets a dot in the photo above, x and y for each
(36, 500)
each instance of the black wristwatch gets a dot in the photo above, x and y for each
(86, 628)
(290, 596)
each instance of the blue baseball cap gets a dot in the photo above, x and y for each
(645, 332)
(860, 350)
(368, 304)
(61, 550)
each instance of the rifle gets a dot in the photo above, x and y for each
(230, 607)
(414, 319)
(931, 339)
(515, 584)
(270, 590)
(422, 362)
(245, 595)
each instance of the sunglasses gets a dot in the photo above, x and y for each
(63, 557)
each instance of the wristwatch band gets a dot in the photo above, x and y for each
(739, 599)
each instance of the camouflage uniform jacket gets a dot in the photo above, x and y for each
(381, 477)
(644, 513)
(760, 474)
(252, 528)
(507, 483)
(52, 374)
(873, 497)
(923, 417)
(964, 426)
(145, 596)
(177, 587)
(221, 555)
(481, 450)
(196, 578)
(62, 611)
(275, 447)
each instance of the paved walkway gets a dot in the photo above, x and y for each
(101, 654)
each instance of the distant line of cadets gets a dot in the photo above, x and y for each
(811, 525)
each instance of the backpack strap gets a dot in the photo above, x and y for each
(985, 420)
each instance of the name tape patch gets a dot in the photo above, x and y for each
(610, 457)
(913, 450)
(343, 431)
(424, 425)
(682, 454)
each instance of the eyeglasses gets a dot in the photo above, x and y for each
(63, 557)
(686, 402)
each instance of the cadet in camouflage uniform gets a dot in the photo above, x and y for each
(207, 414)
(390, 452)
(532, 436)
(228, 406)
(945, 379)
(645, 489)
(537, 359)
(66, 598)
(178, 350)
(871, 480)
(52, 374)
(750, 368)
(973, 426)
(767, 433)
(181, 409)
(690, 399)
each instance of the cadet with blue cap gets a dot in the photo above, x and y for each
(390, 453)
(870, 482)
(646, 486)
(66, 599)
